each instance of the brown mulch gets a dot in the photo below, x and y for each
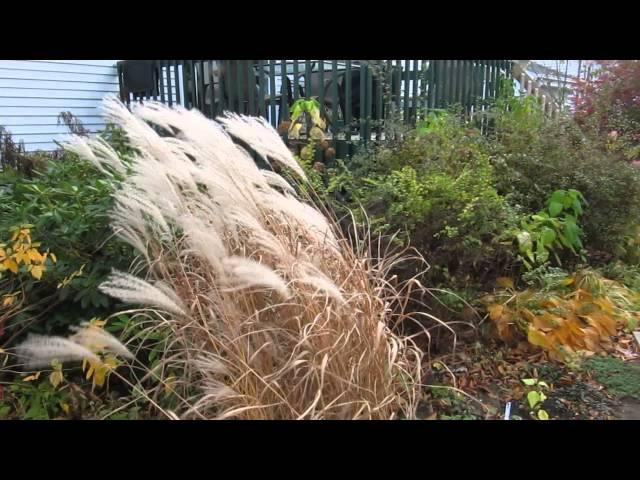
(491, 374)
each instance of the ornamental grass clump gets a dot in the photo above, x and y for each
(269, 312)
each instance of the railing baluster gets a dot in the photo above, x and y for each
(251, 87)
(347, 101)
(212, 107)
(284, 105)
(272, 93)
(263, 89)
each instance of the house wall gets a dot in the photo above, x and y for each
(34, 92)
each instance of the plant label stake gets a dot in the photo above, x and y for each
(507, 411)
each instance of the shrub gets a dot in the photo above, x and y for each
(56, 395)
(557, 155)
(67, 203)
(15, 160)
(552, 230)
(609, 106)
(437, 189)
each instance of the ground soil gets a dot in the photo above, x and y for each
(489, 375)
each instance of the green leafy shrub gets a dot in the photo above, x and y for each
(533, 159)
(32, 398)
(628, 275)
(552, 230)
(436, 188)
(67, 203)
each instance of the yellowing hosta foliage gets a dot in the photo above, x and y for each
(579, 319)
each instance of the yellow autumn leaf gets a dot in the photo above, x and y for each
(65, 408)
(90, 370)
(294, 131)
(169, 385)
(56, 378)
(23, 257)
(7, 300)
(35, 255)
(591, 340)
(546, 321)
(53, 257)
(317, 120)
(110, 362)
(36, 271)
(100, 375)
(11, 265)
(495, 311)
(31, 378)
(3, 254)
(538, 338)
(505, 282)
(96, 322)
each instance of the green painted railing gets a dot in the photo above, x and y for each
(358, 97)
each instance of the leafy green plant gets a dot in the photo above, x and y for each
(452, 405)
(22, 266)
(436, 121)
(551, 230)
(536, 397)
(533, 158)
(35, 398)
(435, 188)
(70, 201)
(515, 120)
(305, 113)
(628, 275)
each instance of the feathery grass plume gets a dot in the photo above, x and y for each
(39, 351)
(272, 313)
(131, 289)
(261, 136)
(245, 273)
(81, 147)
(97, 339)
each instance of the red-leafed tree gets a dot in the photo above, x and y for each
(610, 103)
